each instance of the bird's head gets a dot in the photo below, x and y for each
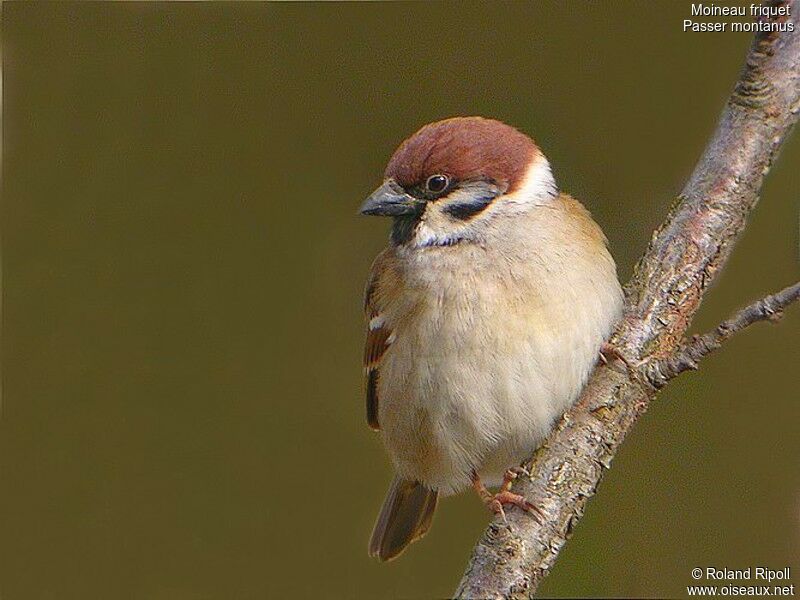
(451, 179)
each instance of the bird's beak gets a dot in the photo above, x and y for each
(390, 200)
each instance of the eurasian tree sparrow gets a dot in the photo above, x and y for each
(486, 313)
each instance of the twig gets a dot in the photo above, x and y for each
(683, 258)
(686, 357)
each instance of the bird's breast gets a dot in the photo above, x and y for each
(488, 350)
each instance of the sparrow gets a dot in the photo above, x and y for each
(485, 315)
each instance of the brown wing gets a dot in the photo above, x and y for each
(378, 337)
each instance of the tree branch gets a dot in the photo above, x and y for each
(686, 357)
(681, 261)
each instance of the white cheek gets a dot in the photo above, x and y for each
(538, 186)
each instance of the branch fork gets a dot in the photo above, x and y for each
(687, 356)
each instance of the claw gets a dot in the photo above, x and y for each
(608, 351)
(504, 496)
(515, 472)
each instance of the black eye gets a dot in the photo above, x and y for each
(437, 183)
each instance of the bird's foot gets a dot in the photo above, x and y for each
(501, 499)
(504, 496)
(609, 351)
(513, 473)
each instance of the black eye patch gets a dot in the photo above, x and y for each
(464, 211)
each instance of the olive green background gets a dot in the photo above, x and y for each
(183, 266)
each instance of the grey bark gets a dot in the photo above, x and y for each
(681, 261)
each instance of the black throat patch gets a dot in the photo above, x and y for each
(403, 228)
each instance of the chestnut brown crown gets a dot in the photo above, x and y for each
(464, 149)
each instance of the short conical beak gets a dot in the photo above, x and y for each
(390, 200)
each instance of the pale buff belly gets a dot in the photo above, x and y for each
(476, 385)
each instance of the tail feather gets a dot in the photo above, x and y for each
(405, 517)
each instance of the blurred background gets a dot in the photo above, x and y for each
(183, 414)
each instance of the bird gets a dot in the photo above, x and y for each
(485, 315)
